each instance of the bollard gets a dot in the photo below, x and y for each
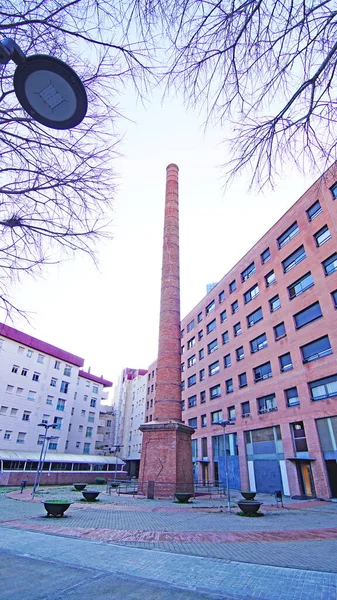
(23, 485)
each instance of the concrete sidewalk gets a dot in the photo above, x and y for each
(197, 550)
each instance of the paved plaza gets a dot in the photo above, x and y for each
(125, 547)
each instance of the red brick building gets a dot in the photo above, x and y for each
(260, 349)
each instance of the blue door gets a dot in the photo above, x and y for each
(267, 476)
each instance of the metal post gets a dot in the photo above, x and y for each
(223, 424)
(42, 456)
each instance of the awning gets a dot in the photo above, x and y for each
(301, 459)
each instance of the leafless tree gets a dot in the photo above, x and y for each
(56, 187)
(263, 70)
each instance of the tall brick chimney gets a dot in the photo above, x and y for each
(166, 459)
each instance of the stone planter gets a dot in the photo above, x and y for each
(183, 497)
(56, 509)
(249, 507)
(80, 486)
(90, 496)
(248, 495)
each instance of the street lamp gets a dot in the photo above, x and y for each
(117, 448)
(224, 425)
(46, 87)
(42, 454)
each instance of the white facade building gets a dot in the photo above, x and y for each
(40, 383)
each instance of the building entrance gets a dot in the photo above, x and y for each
(331, 467)
(306, 479)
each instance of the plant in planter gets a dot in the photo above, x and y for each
(79, 486)
(100, 480)
(57, 507)
(90, 496)
(248, 495)
(249, 507)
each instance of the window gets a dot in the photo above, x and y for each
(40, 358)
(202, 375)
(288, 235)
(14, 412)
(182, 370)
(24, 372)
(248, 272)
(199, 317)
(60, 404)
(330, 264)
(7, 434)
(202, 397)
(21, 438)
(237, 329)
(262, 372)
(274, 303)
(232, 286)
(87, 383)
(182, 386)
(210, 307)
(19, 391)
(203, 420)
(86, 448)
(270, 278)
(308, 315)
(191, 361)
(293, 259)
(254, 317)
(49, 400)
(45, 418)
(321, 389)
(31, 395)
(15, 368)
(52, 445)
(229, 386)
(235, 307)
(201, 354)
(322, 236)
(265, 256)
(53, 382)
(213, 368)
(9, 389)
(182, 349)
(223, 316)
(299, 286)
(3, 410)
(26, 415)
(57, 364)
(316, 349)
(200, 334)
(333, 191)
(221, 296)
(67, 371)
(93, 402)
(231, 413)
(299, 438)
(36, 376)
(212, 346)
(182, 333)
(192, 401)
(88, 432)
(225, 337)
(191, 343)
(211, 326)
(245, 409)
(314, 210)
(191, 380)
(215, 391)
(78, 444)
(216, 416)
(240, 353)
(266, 404)
(258, 343)
(285, 362)
(29, 353)
(242, 380)
(193, 422)
(182, 408)
(334, 298)
(279, 331)
(190, 326)
(20, 349)
(64, 387)
(58, 422)
(227, 361)
(251, 293)
(291, 395)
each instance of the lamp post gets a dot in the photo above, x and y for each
(224, 425)
(117, 448)
(42, 454)
(47, 88)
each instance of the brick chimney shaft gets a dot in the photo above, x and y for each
(168, 382)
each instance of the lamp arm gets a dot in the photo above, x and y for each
(10, 50)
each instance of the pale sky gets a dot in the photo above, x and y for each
(110, 316)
